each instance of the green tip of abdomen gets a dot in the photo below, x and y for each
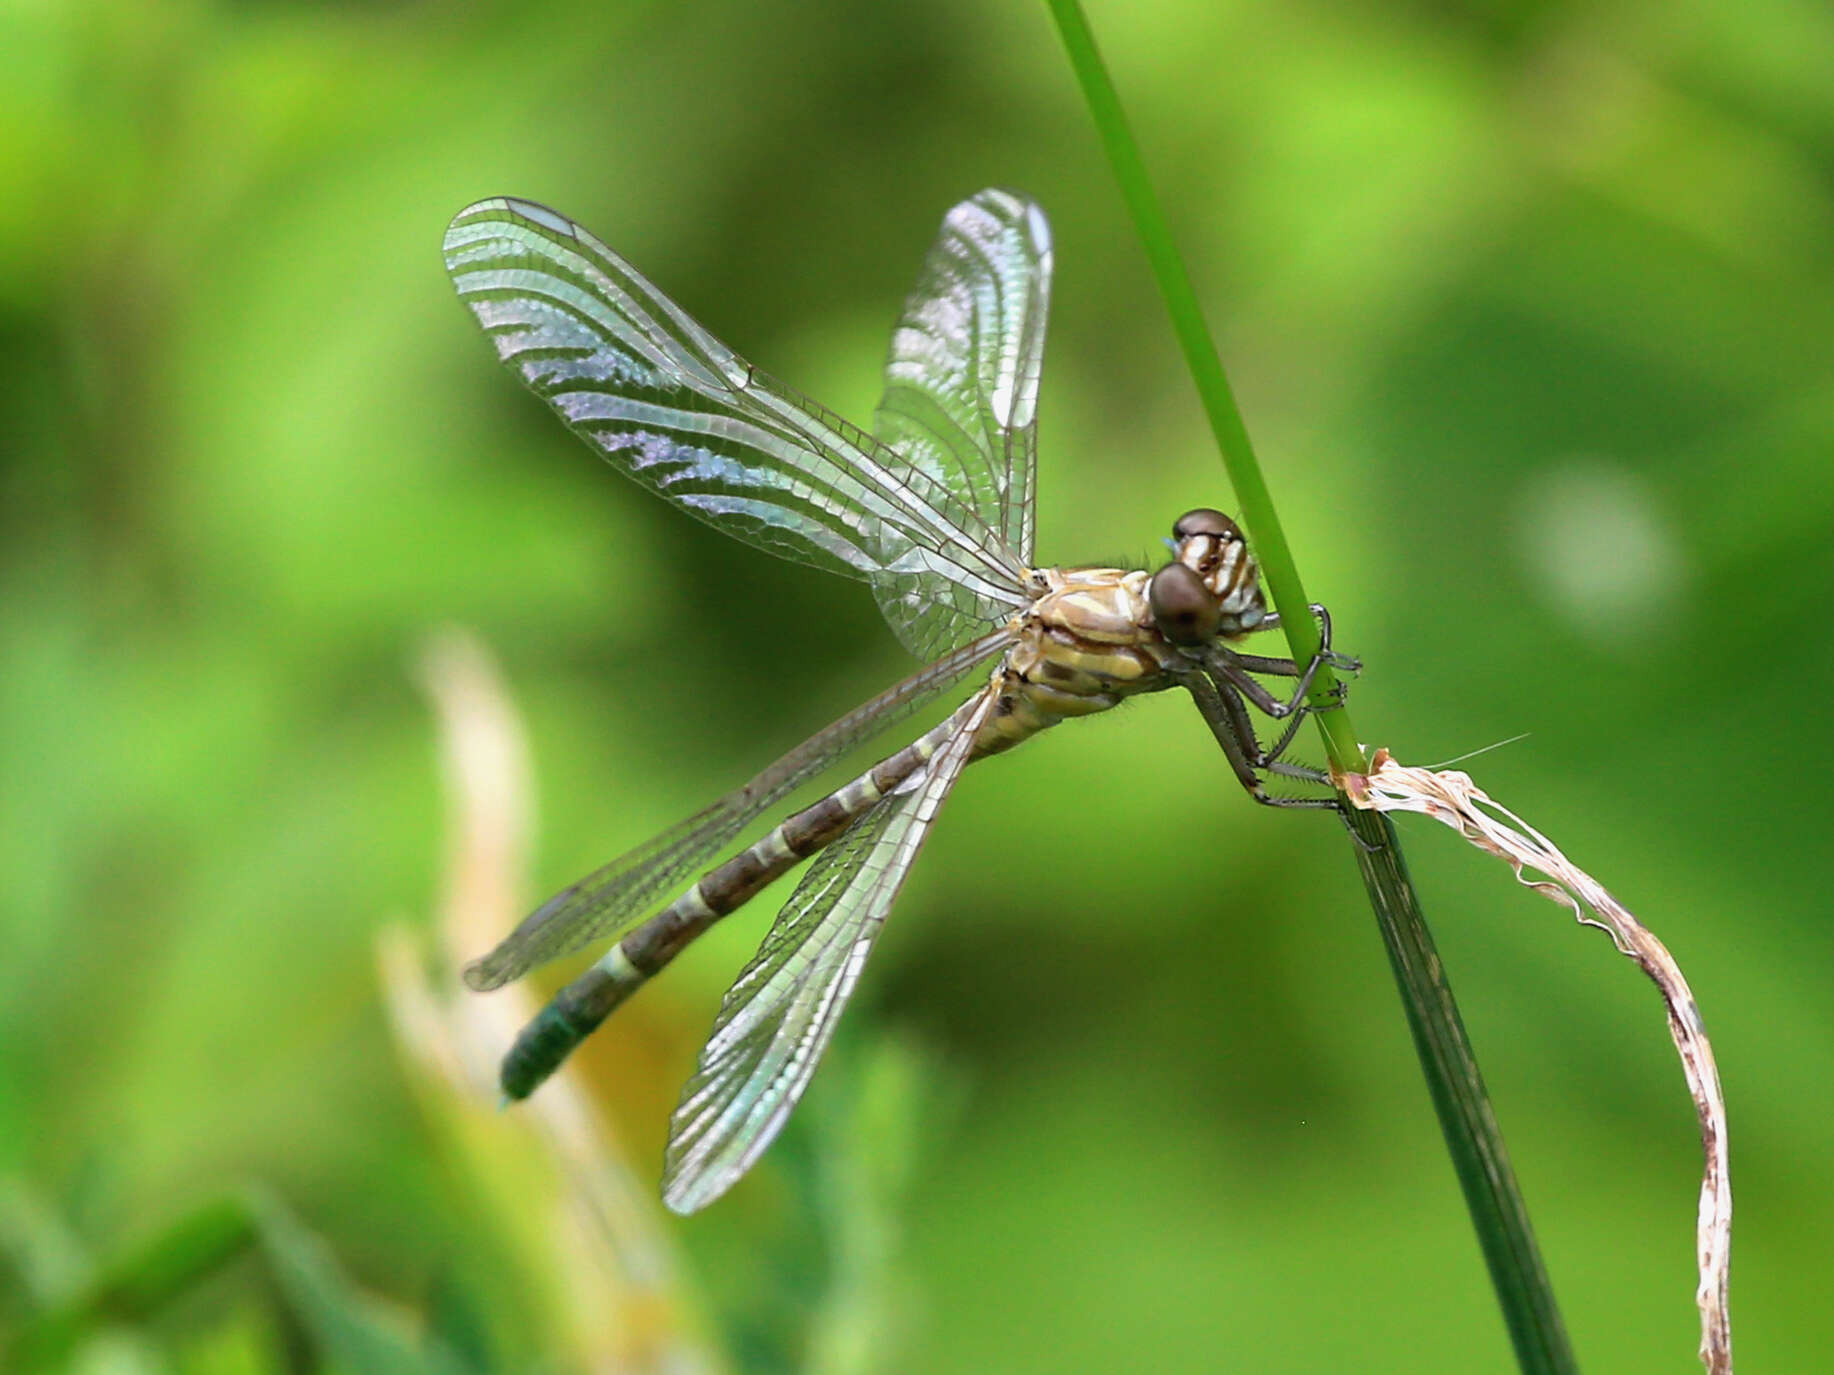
(570, 1017)
(539, 1050)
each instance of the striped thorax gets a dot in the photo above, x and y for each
(1085, 643)
(1095, 636)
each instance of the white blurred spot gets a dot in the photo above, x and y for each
(1600, 551)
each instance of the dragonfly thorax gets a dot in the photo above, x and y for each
(1086, 642)
(1093, 636)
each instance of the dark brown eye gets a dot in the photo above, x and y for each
(1183, 608)
(1205, 521)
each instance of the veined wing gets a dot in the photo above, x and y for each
(678, 411)
(615, 896)
(961, 381)
(780, 1014)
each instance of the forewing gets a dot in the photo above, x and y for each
(678, 411)
(961, 382)
(616, 896)
(780, 1014)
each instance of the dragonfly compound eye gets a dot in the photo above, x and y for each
(1186, 612)
(1205, 521)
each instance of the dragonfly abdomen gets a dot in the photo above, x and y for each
(570, 1017)
(576, 1011)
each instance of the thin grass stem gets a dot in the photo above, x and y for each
(1454, 1082)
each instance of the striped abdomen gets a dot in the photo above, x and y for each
(575, 1012)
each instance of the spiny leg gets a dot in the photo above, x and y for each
(1223, 711)
(1259, 756)
(1223, 689)
(1226, 665)
(1344, 663)
(1235, 668)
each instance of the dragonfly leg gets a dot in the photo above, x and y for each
(1344, 663)
(1235, 667)
(1270, 758)
(1224, 712)
(1225, 664)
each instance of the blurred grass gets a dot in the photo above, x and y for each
(1496, 283)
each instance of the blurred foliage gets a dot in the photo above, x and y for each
(1528, 307)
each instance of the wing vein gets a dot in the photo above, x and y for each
(781, 1011)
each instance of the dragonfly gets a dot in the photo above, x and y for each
(934, 511)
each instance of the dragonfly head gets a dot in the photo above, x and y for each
(1213, 588)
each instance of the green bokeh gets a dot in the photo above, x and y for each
(1531, 313)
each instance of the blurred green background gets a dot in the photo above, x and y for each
(1529, 309)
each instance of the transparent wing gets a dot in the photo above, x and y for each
(780, 1014)
(616, 896)
(961, 382)
(678, 411)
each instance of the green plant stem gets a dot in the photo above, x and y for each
(1256, 503)
(1465, 1117)
(1472, 1136)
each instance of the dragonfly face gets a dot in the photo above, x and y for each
(934, 511)
(1213, 547)
(1186, 611)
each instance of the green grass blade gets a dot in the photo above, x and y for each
(1255, 503)
(1463, 1106)
(342, 1327)
(134, 1285)
(1456, 1086)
